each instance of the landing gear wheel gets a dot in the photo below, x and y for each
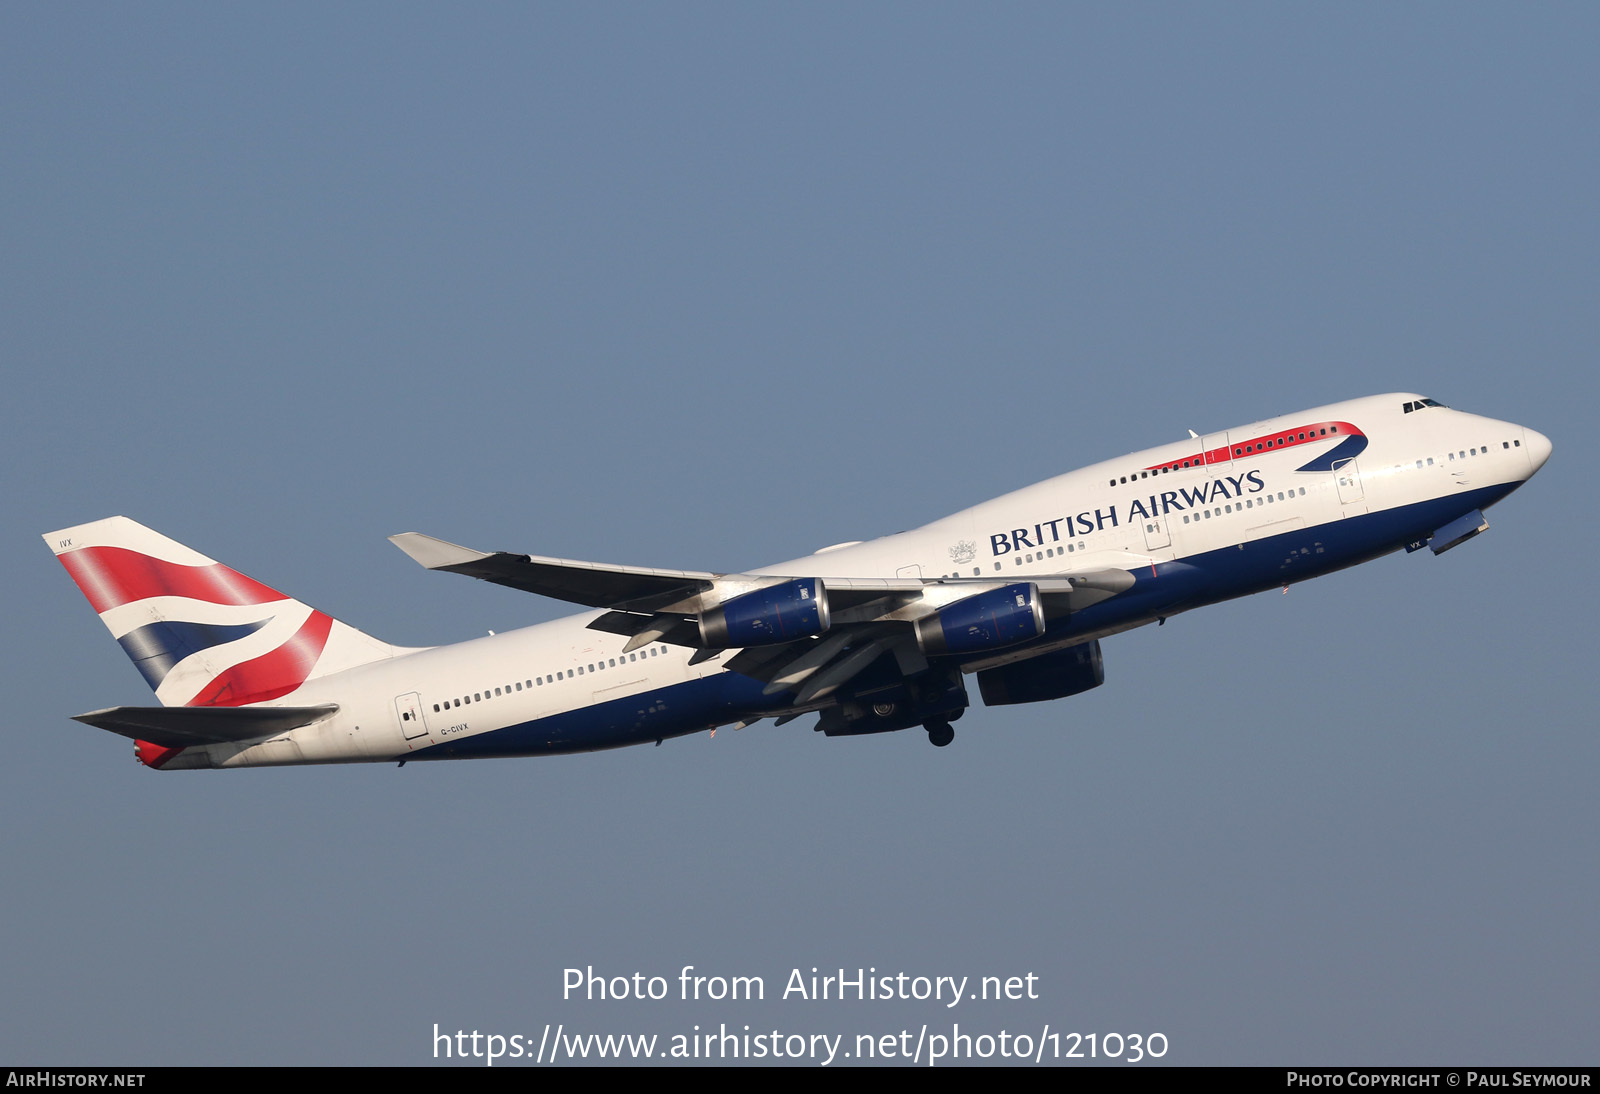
(940, 734)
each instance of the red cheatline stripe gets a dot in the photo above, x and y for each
(1267, 442)
(113, 576)
(272, 674)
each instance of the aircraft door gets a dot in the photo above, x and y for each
(1215, 451)
(1348, 476)
(408, 712)
(1156, 534)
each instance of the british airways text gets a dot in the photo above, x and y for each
(1086, 523)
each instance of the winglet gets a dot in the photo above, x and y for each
(436, 554)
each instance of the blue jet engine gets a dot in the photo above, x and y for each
(778, 613)
(988, 621)
(1049, 676)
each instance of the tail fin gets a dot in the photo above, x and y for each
(200, 633)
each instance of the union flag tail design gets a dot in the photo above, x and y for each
(201, 633)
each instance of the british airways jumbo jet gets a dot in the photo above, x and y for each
(871, 636)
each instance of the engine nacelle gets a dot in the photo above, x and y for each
(989, 621)
(778, 613)
(1048, 676)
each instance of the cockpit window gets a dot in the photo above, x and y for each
(1421, 403)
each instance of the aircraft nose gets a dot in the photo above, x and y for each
(1538, 446)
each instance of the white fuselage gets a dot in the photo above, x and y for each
(1244, 515)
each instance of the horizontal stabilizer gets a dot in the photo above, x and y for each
(184, 727)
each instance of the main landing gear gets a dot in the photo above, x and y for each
(940, 733)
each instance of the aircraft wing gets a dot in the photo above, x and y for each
(638, 589)
(623, 588)
(845, 624)
(772, 611)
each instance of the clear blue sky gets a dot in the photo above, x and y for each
(709, 286)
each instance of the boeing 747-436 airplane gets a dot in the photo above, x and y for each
(870, 636)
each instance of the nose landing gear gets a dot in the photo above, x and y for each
(939, 733)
